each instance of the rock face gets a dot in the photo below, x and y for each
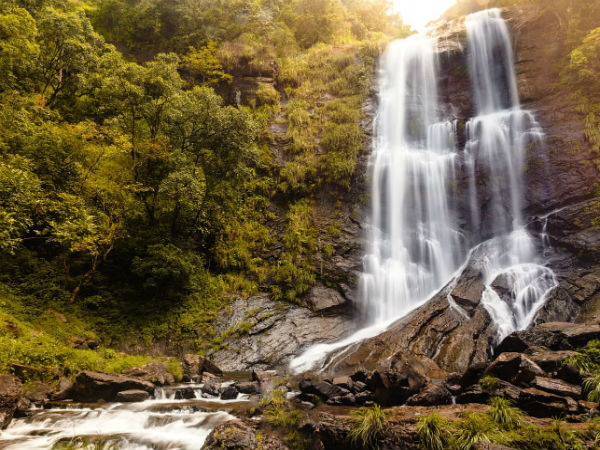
(96, 386)
(322, 299)
(276, 333)
(10, 393)
(132, 395)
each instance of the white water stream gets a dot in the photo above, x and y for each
(157, 424)
(419, 237)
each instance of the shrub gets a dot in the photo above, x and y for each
(504, 414)
(173, 366)
(474, 428)
(488, 383)
(368, 426)
(432, 430)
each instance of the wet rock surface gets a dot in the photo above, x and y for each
(10, 393)
(92, 386)
(266, 334)
(155, 372)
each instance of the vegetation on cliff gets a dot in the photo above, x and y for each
(139, 178)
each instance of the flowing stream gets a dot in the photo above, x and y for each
(163, 422)
(420, 233)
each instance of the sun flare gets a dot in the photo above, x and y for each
(417, 13)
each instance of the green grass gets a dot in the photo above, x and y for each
(368, 426)
(504, 413)
(433, 430)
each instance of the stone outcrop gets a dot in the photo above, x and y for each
(271, 333)
(92, 386)
(242, 435)
(10, 393)
(194, 366)
(155, 372)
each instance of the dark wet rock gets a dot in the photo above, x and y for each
(92, 386)
(515, 368)
(248, 387)
(468, 290)
(345, 382)
(548, 360)
(552, 335)
(63, 388)
(10, 393)
(23, 408)
(570, 374)
(321, 388)
(394, 388)
(132, 395)
(211, 387)
(229, 393)
(195, 365)
(37, 392)
(278, 332)
(473, 394)
(185, 393)
(540, 403)
(263, 377)
(557, 386)
(321, 299)
(155, 372)
(242, 435)
(431, 395)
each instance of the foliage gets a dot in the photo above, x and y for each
(433, 431)
(474, 428)
(488, 383)
(368, 426)
(504, 413)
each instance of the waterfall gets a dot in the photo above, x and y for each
(497, 139)
(419, 234)
(414, 242)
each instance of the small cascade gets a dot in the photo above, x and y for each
(165, 422)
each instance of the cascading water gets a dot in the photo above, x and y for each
(161, 423)
(516, 285)
(416, 245)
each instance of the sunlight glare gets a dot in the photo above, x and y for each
(417, 13)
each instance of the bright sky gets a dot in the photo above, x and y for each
(417, 13)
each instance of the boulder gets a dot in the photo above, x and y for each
(394, 388)
(242, 435)
(323, 389)
(322, 299)
(431, 395)
(263, 377)
(63, 388)
(195, 365)
(37, 392)
(229, 393)
(23, 408)
(548, 360)
(344, 382)
(211, 387)
(552, 335)
(154, 371)
(557, 386)
(248, 387)
(540, 403)
(132, 395)
(92, 386)
(515, 368)
(186, 393)
(10, 393)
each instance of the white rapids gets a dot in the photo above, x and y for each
(156, 424)
(419, 234)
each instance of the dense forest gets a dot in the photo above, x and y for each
(139, 179)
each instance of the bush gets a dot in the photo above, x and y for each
(488, 383)
(432, 430)
(368, 426)
(504, 414)
(473, 429)
(173, 366)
